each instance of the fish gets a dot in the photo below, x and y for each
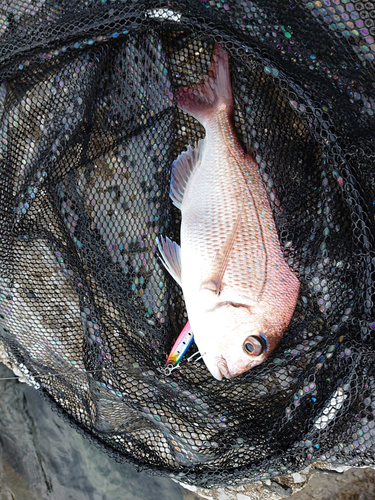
(239, 291)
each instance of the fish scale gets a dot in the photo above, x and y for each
(221, 204)
(239, 291)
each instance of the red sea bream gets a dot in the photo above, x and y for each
(239, 291)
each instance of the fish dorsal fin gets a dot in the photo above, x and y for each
(182, 168)
(214, 283)
(171, 257)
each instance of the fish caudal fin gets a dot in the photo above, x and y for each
(202, 101)
(171, 257)
(182, 167)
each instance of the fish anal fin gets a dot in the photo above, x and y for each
(182, 168)
(215, 281)
(171, 257)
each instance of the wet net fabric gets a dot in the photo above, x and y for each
(89, 130)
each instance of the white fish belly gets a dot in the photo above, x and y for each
(223, 187)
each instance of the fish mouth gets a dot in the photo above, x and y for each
(223, 368)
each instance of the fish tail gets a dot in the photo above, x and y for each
(214, 94)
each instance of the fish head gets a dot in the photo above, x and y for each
(233, 338)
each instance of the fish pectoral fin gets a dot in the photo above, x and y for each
(212, 286)
(171, 257)
(182, 168)
(215, 281)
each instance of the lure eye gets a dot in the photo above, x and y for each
(254, 345)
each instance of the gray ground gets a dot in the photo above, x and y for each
(43, 458)
(354, 484)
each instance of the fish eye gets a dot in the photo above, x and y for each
(254, 345)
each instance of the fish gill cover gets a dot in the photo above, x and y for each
(89, 131)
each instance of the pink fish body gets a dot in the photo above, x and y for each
(240, 293)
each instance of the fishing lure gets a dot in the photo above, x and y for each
(182, 344)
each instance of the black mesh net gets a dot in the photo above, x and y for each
(89, 130)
